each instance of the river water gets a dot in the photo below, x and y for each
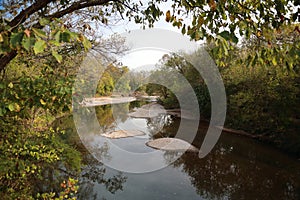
(237, 168)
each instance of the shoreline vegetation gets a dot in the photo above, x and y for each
(154, 109)
(151, 110)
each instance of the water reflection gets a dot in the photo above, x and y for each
(115, 117)
(224, 175)
(237, 168)
(94, 174)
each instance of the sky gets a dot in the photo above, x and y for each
(143, 58)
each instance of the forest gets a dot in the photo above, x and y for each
(255, 45)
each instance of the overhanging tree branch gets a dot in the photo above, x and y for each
(38, 5)
(77, 6)
(24, 14)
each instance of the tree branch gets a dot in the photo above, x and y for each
(77, 6)
(38, 5)
(24, 14)
(4, 60)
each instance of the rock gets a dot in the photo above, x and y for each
(123, 134)
(172, 144)
(148, 111)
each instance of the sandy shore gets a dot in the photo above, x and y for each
(98, 101)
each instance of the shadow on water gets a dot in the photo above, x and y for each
(237, 167)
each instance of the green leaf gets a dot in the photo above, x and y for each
(2, 112)
(16, 39)
(86, 43)
(183, 30)
(54, 42)
(57, 56)
(225, 35)
(225, 48)
(65, 37)
(229, 36)
(39, 32)
(234, 39)
(27, 43)
(57, 36)
(44, 21)
(73, 35)
(39, 46)
(11, 107)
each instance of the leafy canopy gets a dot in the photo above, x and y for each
(34, 26)
(48, 24)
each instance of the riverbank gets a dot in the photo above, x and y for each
(99, 101)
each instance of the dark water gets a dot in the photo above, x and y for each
(237, 168)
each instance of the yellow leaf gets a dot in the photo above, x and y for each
(17, 107)
(258, 34)
(10, 85)
(168, 16)
(42, 102)
(274, 61)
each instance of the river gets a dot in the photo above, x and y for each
(237, 168)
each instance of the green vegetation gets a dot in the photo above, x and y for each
(33, 154)
(110, 81)
(42, 43)
(224, 22)
(262, 100)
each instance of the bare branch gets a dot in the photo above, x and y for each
(77, 6)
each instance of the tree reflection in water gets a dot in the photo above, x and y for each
(93, 174)
(225, 175)
(237, 168)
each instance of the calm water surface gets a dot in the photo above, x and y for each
(237, 168)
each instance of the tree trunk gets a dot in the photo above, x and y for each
(5, 59)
